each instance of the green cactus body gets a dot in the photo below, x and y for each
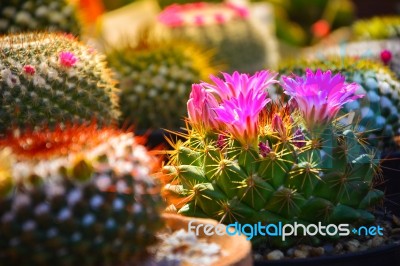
(223, 27)
(38, 15)
(95, 203)
(154, 78)
(378, 113)
(50, 78)
(293, 175)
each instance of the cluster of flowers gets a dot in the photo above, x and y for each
(234, 104)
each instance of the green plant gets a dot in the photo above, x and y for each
(154, 78)
(223, 27)
(378, 114)
(46, 78)
(35, 15)
(77, 195)
(246, 160)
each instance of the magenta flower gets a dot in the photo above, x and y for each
(67, 59)
(236, 84)
(233, 104)
(319, 96)
(201, 105)
(240, 115)
(29, 70)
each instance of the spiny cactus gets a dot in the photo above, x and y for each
(47, 78)
(154, 78)
(377, 28)
(249, 160)
(77, 195)
(378, 114)
(224, 27)
(35, 15)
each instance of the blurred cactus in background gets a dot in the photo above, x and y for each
(155, 78)
(377, 28)
(77, 195)
(250, 160)
(378, 114)
(304, 22)
(47, 78)
(38, 15)
(225, 27)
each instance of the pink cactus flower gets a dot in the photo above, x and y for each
(67, 59)
(237, 84)
(201, 105)
(219, 18)
(199, 20)
(320, 96)
(232, 104)
(240, 115)
(29, 70)
(277, 125)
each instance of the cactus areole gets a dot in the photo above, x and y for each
(247, 159)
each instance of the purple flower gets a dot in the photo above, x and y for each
(264, 148)
(319, 96)
(298, 139)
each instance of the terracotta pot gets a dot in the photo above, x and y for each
(237, 250)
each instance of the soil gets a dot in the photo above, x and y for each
(391, 235)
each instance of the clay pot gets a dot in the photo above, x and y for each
(237, 250)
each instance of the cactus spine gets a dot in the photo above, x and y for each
(154, 78)
(38, 15)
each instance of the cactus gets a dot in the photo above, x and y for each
(76, 195)
(249, 160)
(154, 77)
(223, 27)
(47, 78)
(377, 28)
(378, 114)
(37, 15)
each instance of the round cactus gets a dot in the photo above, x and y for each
(249, 160)
(377, 28)
(223, 27)
(34, 15)
(154, 78)
(77, 195)
(47, 78)
(378, 114)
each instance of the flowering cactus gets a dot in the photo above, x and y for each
(224, 27)
(76, 195)
(247, 159)
(378, 113)
(48, 78)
